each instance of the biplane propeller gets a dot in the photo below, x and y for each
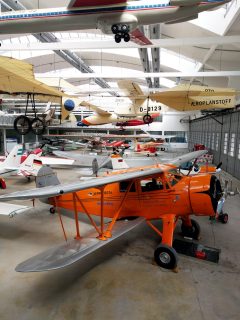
(157, 192)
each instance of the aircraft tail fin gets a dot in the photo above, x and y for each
(31, 165)
(14, 158)
(46, 177)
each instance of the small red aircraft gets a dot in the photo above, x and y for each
(157, 192)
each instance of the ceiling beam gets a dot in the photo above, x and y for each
(110, 44)
(137, 75)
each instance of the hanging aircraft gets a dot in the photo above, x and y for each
(149, 193)
(118, 17)
(125, 115)
(17, 77)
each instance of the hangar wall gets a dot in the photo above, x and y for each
(221, 135)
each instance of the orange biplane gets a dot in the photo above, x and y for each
(157, 192)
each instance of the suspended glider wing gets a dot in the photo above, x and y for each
(95, 108)
(18, 77)
(132, 90)
(191, 97)
(75, 250)
(130, 174)
(138, 37)
(93, 3)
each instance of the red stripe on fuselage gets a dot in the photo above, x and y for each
(95, 3)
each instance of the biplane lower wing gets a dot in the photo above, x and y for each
(75, 250)
(12, 209)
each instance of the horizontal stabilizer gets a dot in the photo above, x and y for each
(9, 209)
(73, 251)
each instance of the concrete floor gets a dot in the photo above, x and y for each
(121, 282)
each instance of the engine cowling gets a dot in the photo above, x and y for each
(205, 191)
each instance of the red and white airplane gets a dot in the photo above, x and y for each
(117, 17)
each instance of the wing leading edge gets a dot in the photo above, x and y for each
(75, 250)
(135, 173)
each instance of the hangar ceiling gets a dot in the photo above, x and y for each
(223, 22)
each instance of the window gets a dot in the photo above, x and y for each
(239, 148)
(173, 177)
(232, 145)
(123, 185)
(217, 140)
(151, 185)
(225, 145)
(213, 141)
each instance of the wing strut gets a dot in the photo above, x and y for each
(102, 234)
(55, 199)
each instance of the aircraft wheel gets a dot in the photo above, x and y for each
(118, 38)
(52, 210)
(37, 126)
(147, 119)
(124, 28)
(115, 29)
(22, 125)
(126, 37)
(166, 256)
(193, 231)
(223, 218)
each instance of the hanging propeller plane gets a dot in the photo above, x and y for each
(119, 17)
(151, 193)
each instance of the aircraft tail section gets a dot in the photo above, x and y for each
(46, 177)
(14, 158)
(30, 166)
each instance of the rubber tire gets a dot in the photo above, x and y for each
(223, 218)
(147, 119)
(40, 127)
(118, 38)
(165, 251)
(126, 37)
(26, 125)
(52, 210)
(115, 29)
(191, 232)
(124, 28)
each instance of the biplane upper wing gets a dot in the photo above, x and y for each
(93, 3)
(185, 97)
(57, 190)
(53, 191)
(95, 108)
(17, 77)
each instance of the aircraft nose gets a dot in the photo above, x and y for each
(205, 192)
(82, 123)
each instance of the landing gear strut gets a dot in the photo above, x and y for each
(121, 31)
(192, 231)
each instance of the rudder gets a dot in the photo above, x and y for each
(46, 177)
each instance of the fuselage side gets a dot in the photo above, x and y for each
(59, 19)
